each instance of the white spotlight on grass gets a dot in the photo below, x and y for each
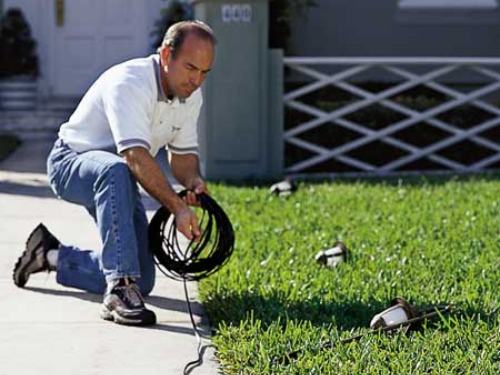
(398, 313)
(283, 188)
(333, 256)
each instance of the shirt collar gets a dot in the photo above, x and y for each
(161, 93)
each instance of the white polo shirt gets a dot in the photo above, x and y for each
(126, 107)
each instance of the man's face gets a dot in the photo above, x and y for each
(186, 72)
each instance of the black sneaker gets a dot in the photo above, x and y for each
(123, 304)
(34, 257)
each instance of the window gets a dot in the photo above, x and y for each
(446, 12)
(448, 4)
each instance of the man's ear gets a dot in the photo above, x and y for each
(165, 54)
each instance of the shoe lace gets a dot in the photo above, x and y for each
(132, 294)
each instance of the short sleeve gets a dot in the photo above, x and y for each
(128, 109)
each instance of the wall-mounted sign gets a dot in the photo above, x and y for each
(59, 13)
(236, 13)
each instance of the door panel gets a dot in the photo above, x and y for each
(80, 51)
(95, 35)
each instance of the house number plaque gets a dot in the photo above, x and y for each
(236, 13)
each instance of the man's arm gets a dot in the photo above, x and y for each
(150, 176)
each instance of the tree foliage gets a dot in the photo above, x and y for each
(281, 13)
(175, 11)
(17, 47)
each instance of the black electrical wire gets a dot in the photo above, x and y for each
(194, 260)
(426, 314)
(198, 259)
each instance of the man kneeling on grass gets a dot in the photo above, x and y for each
(105, 148)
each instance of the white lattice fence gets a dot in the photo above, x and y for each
(458, 123)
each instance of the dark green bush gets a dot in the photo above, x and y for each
(17, 47)
(175, 11)
(8, 143)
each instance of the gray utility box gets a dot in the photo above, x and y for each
(241, 119)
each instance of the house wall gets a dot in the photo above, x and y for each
(40, 15)
(381, 28)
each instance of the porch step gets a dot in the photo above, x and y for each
(41, 122)
(35, 124)
(67, 104)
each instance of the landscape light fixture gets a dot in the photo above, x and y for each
(399, 312)
(283, 188)
(333, 256)
(399, 315)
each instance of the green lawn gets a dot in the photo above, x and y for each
(426, 241)
(8, 144)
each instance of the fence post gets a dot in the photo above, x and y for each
(275, 109)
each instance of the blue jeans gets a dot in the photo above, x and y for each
(101, 182)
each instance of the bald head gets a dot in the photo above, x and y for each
(177, 33)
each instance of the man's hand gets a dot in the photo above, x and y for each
(186, 169)
(195, 186)
(187, 223)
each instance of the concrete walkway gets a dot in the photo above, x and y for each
(49, 329)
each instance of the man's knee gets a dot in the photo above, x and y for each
(120, 171)
(116, 173)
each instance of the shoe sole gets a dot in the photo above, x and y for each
(113, 316)
(19, 267)
(34, 241)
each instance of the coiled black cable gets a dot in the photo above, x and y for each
(198, 259)
(191, 261)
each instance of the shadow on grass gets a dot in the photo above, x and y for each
(431, 179)
(345, 315)
(420, 179)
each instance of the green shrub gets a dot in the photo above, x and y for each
(17, 47)
(8, 144)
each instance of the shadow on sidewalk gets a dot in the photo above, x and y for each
(55, 292)
(157, 301)
(31, 190)
(29, 157)
(39, 189)
(186, 330)
(164, 303)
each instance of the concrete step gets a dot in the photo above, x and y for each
(42, 122)
(32, 124)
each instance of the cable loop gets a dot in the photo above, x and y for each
(194, 260)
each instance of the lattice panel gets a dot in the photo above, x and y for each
(390, 115)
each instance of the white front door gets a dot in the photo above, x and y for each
(92, 36)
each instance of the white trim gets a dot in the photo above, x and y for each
(392, 60)
(448, 4)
